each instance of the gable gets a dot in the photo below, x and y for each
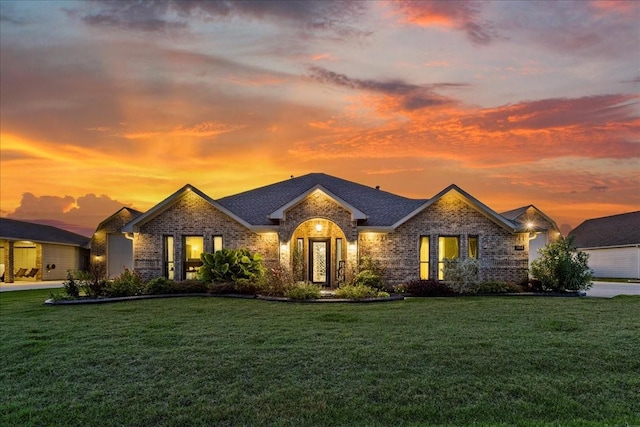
(188, 191)
(456, 192)
(318, 192)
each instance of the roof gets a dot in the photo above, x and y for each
(170, 201)
(615, 230)
(381, 208)
(133, 212)
(11, 229)
(521, 218)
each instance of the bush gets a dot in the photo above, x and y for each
(277, 282)
(247, 287)
(359, 292)
(71, 286)
(498, 288)
(190, 287)
(561, 267)
(94, 281)
(371, 274)
(462, 275)
(230, 265)
(222, 288)
(126, 284)
(302, 291)
(428, 288)
(159, 286)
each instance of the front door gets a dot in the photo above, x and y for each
(319, 261)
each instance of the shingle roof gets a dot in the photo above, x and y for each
(615, 230)
(381, 207)
(12, 229)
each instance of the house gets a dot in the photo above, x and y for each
(33, 252)
(613, 244)
(319, 226)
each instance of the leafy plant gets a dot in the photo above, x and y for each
(498, 288)
(277, 281)
(230, 265)
(159, 286)
(93, 281)
(561, 267)
(71, 286)
(126, 284)
(462, 275)
(302, 291)
(371, 274)
(428, 288)
(359, 292)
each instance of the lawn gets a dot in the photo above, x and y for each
(527, 361)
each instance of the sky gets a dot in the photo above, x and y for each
(105, 104)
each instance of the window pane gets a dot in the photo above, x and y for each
(448, 248)
(193, 246)
(424, 257)
(217, 243)
(473, 247)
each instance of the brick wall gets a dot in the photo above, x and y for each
(193, 216)
(449, 216)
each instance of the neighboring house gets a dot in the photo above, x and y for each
(34, 252)
(319, 226)
(613, 244)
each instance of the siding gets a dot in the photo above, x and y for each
(615, 262)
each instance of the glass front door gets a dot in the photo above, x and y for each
(319, 261)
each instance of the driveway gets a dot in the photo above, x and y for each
(611, 289)
(25, 286)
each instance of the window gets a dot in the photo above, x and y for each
(472, 247)
(448, 248)
(217, 243)
(192, 249)
(169, 262)
(424, 257)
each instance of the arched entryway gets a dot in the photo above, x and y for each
(319, 253)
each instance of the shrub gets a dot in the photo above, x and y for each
(71, 287)
(247, 286)
(302, 291)
(159, 286)
(277, 281)
(230, 265)
(428, 288)
(126, 284)
(371, 274)
(222, 288)
(561, 267)
(93, 281)
(359, 292)
(498, 288)
(462, 275)
(190, 287)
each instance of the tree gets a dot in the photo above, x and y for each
(561, 267)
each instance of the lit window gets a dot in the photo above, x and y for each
(448, 248)
(473, 247)
(217, 243)
(424, 257)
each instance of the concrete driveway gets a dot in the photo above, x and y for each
(25, 286)
(612, 289)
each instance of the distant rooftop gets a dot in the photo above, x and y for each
(615, 230)
(11, 229)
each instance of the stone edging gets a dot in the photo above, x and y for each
(240, 296)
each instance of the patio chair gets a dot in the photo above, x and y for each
(21, 272)
(32, 273)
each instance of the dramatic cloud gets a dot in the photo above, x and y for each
(414, 97)
(168, 15)
(463, 16)
(80, 215)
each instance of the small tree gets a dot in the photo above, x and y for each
(462, 275)
(561, 267)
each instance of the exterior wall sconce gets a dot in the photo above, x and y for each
(318, 227)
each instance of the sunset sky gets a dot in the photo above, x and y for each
(105, 104)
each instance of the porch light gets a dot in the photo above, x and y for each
(530, 225)
(318, 227)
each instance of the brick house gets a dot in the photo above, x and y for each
(319, 226)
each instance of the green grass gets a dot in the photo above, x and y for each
(211, 361)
